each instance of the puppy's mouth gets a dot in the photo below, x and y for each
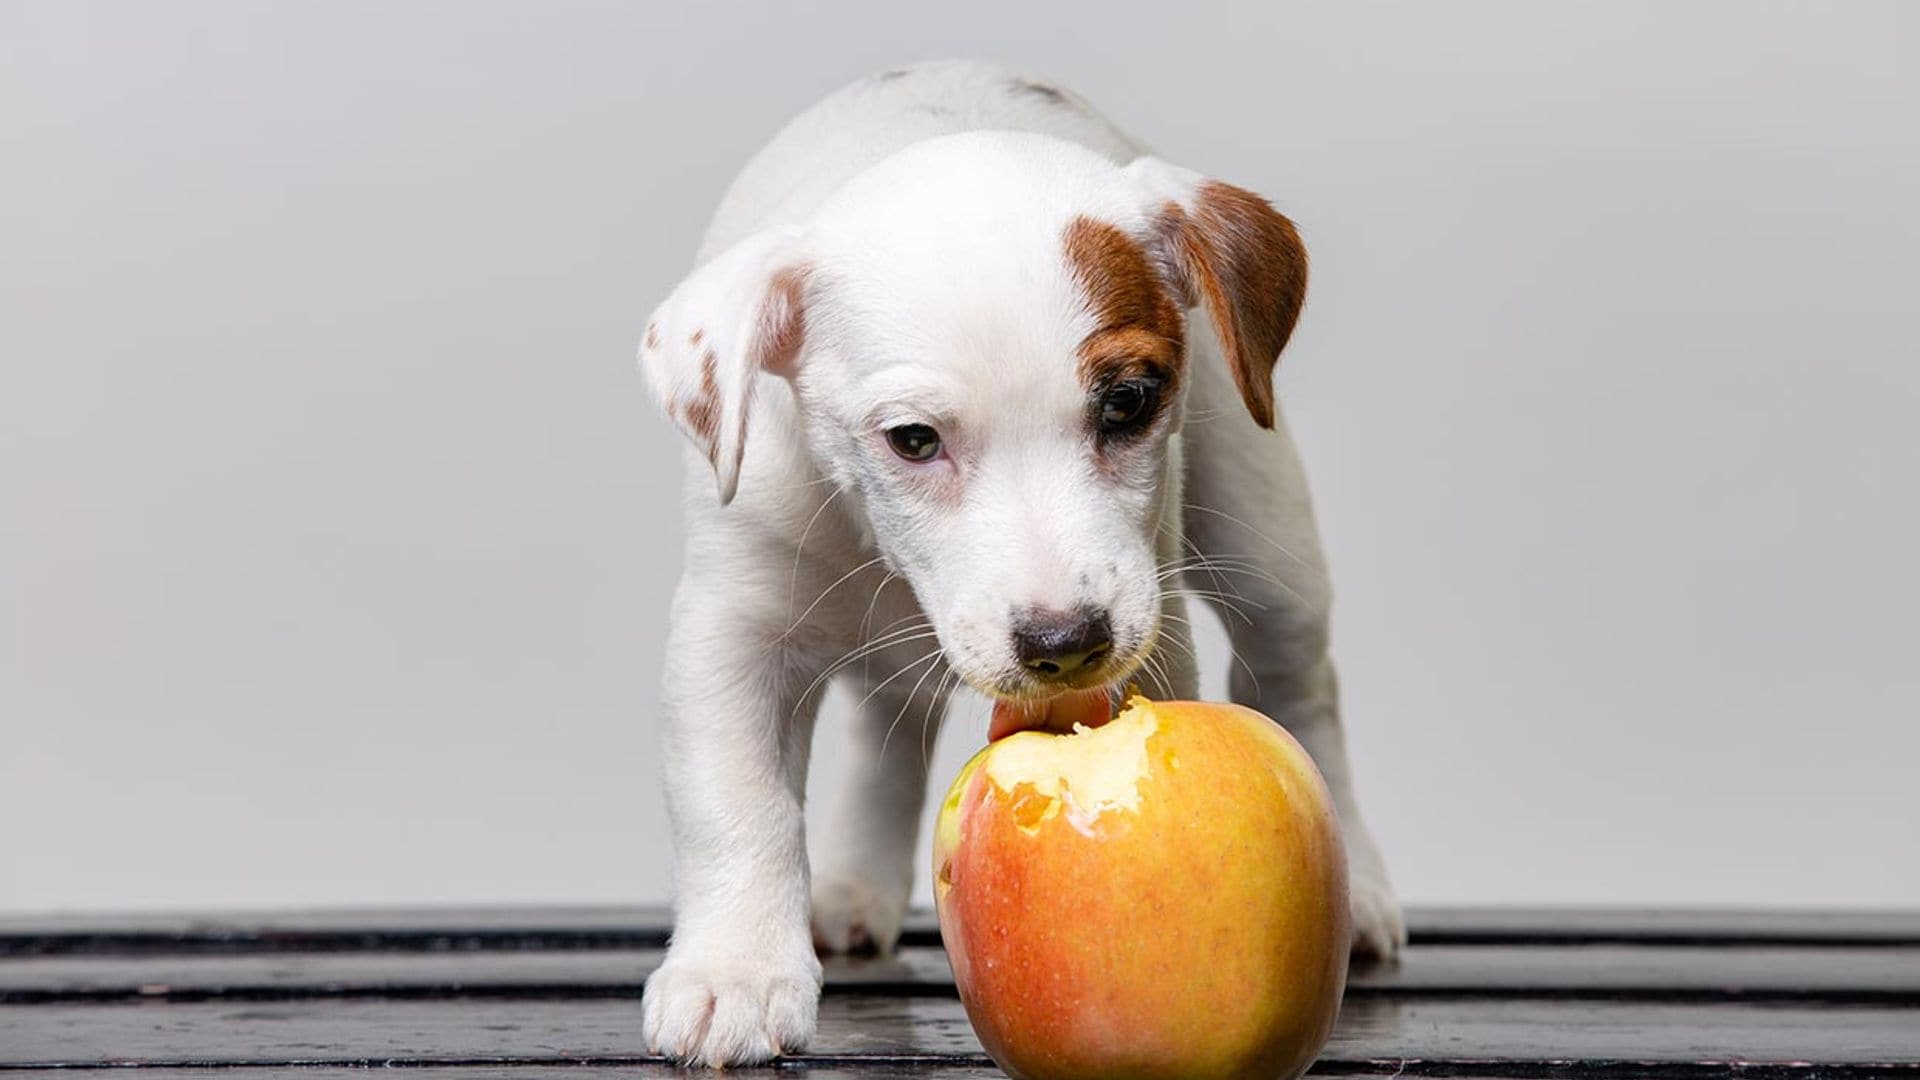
(1030, 705)
(1062, 712)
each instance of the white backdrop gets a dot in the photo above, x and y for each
(336, 529)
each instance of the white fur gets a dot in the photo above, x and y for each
(927, 209)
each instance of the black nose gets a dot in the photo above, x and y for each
(1061, 642)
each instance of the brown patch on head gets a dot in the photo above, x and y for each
(653, 336)
(1246, 262)
(699, 334)
(1050, 95)
(1138, 326)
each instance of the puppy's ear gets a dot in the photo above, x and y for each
(741, 313)
(1227, 248)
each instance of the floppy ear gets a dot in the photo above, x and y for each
(741, 313)
(1227, 248)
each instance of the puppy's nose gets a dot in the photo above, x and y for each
(1051, 642)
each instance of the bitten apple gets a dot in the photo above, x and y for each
(1161, 896)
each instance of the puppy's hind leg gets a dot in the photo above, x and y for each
(863, 860)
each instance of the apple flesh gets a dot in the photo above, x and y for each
(1161, 896)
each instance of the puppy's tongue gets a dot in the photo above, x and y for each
(1060, 713)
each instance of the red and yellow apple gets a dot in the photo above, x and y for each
(1161, 896)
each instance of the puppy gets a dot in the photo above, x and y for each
(976, 392)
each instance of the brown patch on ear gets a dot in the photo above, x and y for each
(653, 336)
(1138, 324)
(774, 342)
(1246, 262)
(783, 321)
(703, 409)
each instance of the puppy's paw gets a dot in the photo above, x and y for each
(702, 1010)
(1379, 933)
(854, 915)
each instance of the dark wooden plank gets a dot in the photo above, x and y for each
(447, 929)
(882, 1069)
(1419, 1036)
(1889, 975)
(1803, 973)
(1670, 926)
(355, 1032)
(521, 973)
(423, 929)
(876, 1069)
(642, 1071)
(345, 920)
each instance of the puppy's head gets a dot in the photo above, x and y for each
(987, 338)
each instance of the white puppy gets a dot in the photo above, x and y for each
(987, 394)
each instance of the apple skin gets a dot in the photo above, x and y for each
(1163, 896)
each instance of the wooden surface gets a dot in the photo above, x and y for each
(517, 995)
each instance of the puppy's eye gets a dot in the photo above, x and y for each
(1128, 405)
(914, 442)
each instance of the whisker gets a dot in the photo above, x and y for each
(916, 625)
(862, 651)
(908, 703)
(1225, 607)
(1233, 653)
(1169, 639)
(919, 615)
(1216, 597)
(865, 650)
(844, 578)
(1246, 564)
(1194, 590)
(800, 549)
(1155, 670)
(904, 668)
(1277, 545)
(1167, 666)
(1220, 581)
(868, 617)
(1199, 558)
(928, 722)
(1228, 564)
(1207, 562)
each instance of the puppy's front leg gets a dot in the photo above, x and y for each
(740, 983)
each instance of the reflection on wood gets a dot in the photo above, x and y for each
(520, 995)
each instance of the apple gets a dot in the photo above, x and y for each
(1164, 895)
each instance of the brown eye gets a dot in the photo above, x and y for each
(914, 442)
(1128, 405)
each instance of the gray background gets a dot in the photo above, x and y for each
(336, 527)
